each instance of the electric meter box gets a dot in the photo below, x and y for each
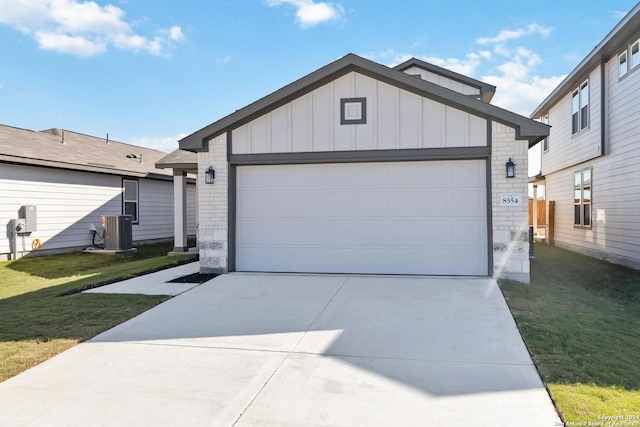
(30, 215)
(118, 232)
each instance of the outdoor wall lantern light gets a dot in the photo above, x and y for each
(511, 169)
(209, 175)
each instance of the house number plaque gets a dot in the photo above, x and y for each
(511, 199)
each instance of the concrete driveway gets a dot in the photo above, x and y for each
(297, 350)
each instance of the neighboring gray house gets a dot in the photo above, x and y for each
(591, 160)
(73, 179)
(361, 168)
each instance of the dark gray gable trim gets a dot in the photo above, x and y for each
(604, 51)
(525, 128)
(361, 156)
(486, 90)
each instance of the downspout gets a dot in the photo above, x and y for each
(604, 111)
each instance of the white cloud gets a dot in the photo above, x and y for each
(517, 90)
(223, 60)
(309, 13)
(466, 66)
(507, 35)
(81, 28)
(162, 143)
(510, 67)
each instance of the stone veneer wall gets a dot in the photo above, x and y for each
(510, 224)
(213, 203)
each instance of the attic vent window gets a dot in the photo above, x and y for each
(353, 111)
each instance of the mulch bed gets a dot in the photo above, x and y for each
(194, 278)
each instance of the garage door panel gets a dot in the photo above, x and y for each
(468, 232)
(437, 232)
(466, 261)
(404, 204)
(251, 203)
(251, 232)
(435, 203)
(379, 218)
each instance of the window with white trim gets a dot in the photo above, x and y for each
(635, 54)
(582, 198)
(622, 64)
(130, 199)
(580, 108)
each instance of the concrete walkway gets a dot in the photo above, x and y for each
(295, 350)
(153, 283)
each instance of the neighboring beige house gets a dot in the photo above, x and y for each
(73, 179)
(591, 160)
(361, 168)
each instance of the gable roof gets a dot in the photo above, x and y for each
(605, 50)
(486, 90)
(179, 159)
(525, 128)
(65, 149)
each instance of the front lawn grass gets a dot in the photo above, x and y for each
(580, 319)
(36, 323)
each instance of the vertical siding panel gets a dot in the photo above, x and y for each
(433, 131)
(365, 135)
(342, 88)
(322, 119)
(280, 130)
(477, 131)
(259, 135)
(300, 124)
(457, 128)
(387, 116)
(410, 119)
(241, 140)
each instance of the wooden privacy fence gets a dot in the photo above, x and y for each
(542, 212)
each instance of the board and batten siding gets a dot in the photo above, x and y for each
(566, 149)
(443, 81)
(615, 231)
(396, 119)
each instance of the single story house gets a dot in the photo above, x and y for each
(362, 168)
(70, 180)
(590, 163)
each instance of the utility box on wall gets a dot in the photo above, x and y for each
(118, 232)
(30, 215)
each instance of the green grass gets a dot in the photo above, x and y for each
(580, 319)
(36, 323)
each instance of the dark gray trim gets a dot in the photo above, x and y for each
(604, 110)
(486, 154)
(232, 200)
(603, 52)
(489, 183)
(361, 156)
(525, 128)
(363, 109)
(229, 144)
(185, 166)
(486, 90)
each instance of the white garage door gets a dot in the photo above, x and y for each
(427, 217)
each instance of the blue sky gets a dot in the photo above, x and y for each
(151, 72)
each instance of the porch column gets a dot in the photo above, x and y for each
(535, 210)
(180, 211)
